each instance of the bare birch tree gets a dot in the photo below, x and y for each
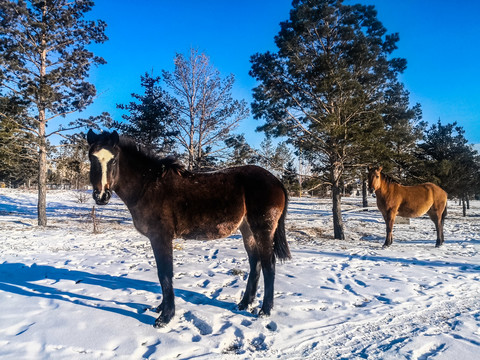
(206, 112)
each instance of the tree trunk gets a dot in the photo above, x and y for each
(337, 213)
(464, 208)
(300, 179)
(364, 193)
(42, 173)
(338, 230)
(468, 202)
(42, 143)
(191, 145)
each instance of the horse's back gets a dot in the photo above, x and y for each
(213, 204)
(417, 200)
(261, 185)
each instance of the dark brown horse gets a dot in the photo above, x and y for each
(408, 201)
(168, 202)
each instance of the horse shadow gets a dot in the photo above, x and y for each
(21, 279)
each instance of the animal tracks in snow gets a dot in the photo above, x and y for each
(67, 293)
(202, 326)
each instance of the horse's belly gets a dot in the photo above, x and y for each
(412, 212)
(211, 231)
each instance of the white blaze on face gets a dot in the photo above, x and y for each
(103, 156)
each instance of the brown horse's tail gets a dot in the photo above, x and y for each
(280, 244)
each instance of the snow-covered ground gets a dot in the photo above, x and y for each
(67, 293)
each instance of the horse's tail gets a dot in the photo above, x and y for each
(280, 244)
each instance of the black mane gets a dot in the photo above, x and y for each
(147, 158)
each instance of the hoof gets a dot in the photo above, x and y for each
(264, 312)
(162, 321)
(242, 307)
(159, 324)
(157, 309)
(385, 246)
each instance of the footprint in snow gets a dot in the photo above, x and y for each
(272, 326)
(246, 323)
(384, 299)
(361, 283)
(203, 327)
(203, 284)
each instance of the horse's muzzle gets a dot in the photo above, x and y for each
(104, 198)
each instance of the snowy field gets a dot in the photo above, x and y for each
(67, 293)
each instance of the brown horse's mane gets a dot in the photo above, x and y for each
(389, 179)
(148, 160)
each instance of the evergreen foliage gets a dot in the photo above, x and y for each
(240, 152)
(44, 61)
(149, 117)
(290, 179)
(325, 87)
(17, 150)
(449, 161)
(273, 158)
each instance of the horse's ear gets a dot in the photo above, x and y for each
(380, 168)
(114, 138)
(91, 137)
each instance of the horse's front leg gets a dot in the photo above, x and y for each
(389, 221)
(163, 252)
(439, 228)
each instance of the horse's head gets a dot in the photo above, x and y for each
(374, 178)
(103, 155)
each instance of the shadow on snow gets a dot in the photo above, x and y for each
(20, 279)
(462, 266)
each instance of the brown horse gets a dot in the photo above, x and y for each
(168, 202)
(408, 201)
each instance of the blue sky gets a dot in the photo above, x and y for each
(439, 39)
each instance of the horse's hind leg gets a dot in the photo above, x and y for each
(264, 244)
(437, 219)
(259, 246)
(255, 266)
(267, 259)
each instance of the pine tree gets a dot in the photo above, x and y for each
(290, 179)
(149, 118)
(449, 161)
(17, 153)
(44, 61)
(326, 85)
(273, 158)
(240, 152)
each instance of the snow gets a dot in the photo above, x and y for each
(67, 293)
